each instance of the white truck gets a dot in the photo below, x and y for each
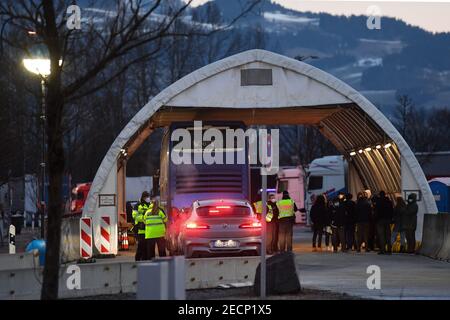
(326, 175)
(292, 179)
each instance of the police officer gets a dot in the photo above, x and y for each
(139, 224)
(272, 225)
(286, 219)
(155, 230)
(257, 206)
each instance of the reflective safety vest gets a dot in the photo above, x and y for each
(286, 208)
(258, 207)
(155, 224)
(138, 216)
(269, 215)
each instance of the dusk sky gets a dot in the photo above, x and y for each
(430, 15)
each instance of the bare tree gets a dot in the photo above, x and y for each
(403, 114)
(119, 35)
(425, 130)
(302, 144)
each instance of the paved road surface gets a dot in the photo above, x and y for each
(403, 276)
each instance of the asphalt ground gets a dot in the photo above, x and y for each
(328, 275)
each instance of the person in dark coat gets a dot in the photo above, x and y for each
(350, 221)
(373, 239)
(286, 224)
(409, 222)
(363, 213)
(338, 223)
(272, 226)
(319, 217)
(328, 229)
(383, 218)
(399, 214)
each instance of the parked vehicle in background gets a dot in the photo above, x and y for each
(134, 188)
(222, 227)
(79, 196)
(440, 187)
(326, 175)
(292, 179)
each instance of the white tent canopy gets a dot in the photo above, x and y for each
(272, 89)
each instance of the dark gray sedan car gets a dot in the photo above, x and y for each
(221, 228)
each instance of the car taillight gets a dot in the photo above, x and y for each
(251, 225)
(194, 225)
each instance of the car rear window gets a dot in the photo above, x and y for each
(223, 211)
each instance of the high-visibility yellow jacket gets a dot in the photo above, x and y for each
(258, 207)
(285, 208)
(138, 216)
(259, 210)
(269, 215)
(155, 226)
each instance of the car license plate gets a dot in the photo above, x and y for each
(225, 244)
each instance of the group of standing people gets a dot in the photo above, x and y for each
(150, 228)
(351, 224)
(280, 220)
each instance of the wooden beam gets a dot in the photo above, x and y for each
(269, 116)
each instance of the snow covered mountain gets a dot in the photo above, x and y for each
(398, 59)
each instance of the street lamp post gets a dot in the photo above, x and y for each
(41, 67)
(43, 120)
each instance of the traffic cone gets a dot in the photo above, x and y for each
(125, 241)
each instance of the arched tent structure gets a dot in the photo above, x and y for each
(261, 87)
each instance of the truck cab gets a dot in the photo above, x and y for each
(326, 175)
(292, 180)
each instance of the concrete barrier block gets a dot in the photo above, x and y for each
(219, 271)
(433, 235)
(194, 274)
(246, 269)
(212, 272)
(101, 278)
(20, 284)
(19, 261)
(177, 276)
(128, 277)
(444, 252)
(70, 239)
(153, 281)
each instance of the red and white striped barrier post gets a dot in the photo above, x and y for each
(105, 235)
(86, 238)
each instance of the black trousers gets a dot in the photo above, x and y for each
(362, 235)
(317, 232)
(140, 250)
(384, 235)
(349, 236)
(150, 245)
(285, 234)
(327, 238)
(339, 238)
(410, 236)
(372, 235)
(272, 237)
